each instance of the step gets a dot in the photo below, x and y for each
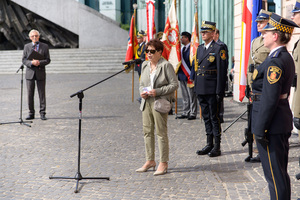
(100, 60)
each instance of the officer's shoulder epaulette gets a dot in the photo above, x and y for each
(275, 54)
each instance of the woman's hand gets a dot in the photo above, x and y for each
(144, 95)
(152, 93)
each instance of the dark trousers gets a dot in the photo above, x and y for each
(41, 87)
(210, 114)
(274, 160)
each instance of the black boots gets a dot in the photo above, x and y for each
(216, 151)
(210, 149)
(209, 146)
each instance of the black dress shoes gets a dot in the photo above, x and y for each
(191, 117)
(255, 159)
(182, 117)
(43, 117)
(29, 117)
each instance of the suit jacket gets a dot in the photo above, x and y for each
(186, 57)
(274, 77)
(165, 80)
(212, 60)
(31, 70)
(296, 100)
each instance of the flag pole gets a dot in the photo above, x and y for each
(197, 31)
(134, 13)
(176, 100)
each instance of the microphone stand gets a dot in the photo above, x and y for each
(247, 132)
(80, 95)
(21, 121)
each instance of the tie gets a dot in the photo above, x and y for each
(183, 50)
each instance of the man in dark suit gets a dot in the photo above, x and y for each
(36, 72)
(189, 98)
(210, 73)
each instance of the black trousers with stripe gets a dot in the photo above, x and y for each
(274, 160)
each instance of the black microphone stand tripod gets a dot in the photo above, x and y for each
(248, 132)
(80, 95)
(21, 121)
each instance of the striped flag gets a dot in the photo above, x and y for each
(132, 45)
(245, 45)
(150, 10)
(195, 38)
(251, 9)
(171, 39)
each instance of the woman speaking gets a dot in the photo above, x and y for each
(158, 81)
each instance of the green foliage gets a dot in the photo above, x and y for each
(125, 26)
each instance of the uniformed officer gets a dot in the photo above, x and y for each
(258, 53)
(272, 120)
(296, 55)
(209, 75)
(141, 50)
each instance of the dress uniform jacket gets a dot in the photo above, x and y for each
(296, 100)
(272, 81)
(272, 119)
(258, 54)
(209, 70)
(141, 55)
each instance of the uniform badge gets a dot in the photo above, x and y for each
(223, 54)
(273, 74)
(255, 72)
(211, 58)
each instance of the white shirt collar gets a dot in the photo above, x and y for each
(207, 46)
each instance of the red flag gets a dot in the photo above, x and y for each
(132, 41)
(150, 9)
(171, 39)
(245, 45)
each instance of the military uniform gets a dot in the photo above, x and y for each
(140, 52)
(271, 114)
(258, 53)
(209, 74)
(296, 56)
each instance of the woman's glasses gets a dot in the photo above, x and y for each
(151, 51)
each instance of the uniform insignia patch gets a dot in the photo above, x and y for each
(273, 74)
(223, 54)
(255, 72)
(211, 58)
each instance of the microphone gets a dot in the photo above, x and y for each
(136, 61)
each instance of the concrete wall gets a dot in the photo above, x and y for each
(94, 29)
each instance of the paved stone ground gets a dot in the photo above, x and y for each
(113, 146)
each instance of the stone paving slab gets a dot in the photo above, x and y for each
(112, 145)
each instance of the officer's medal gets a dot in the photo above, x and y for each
(211, 57)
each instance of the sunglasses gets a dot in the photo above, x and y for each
(151, 51)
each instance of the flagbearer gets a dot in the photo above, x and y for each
(272, 119)
(209, 74)
(258, 53)
(189, 98)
